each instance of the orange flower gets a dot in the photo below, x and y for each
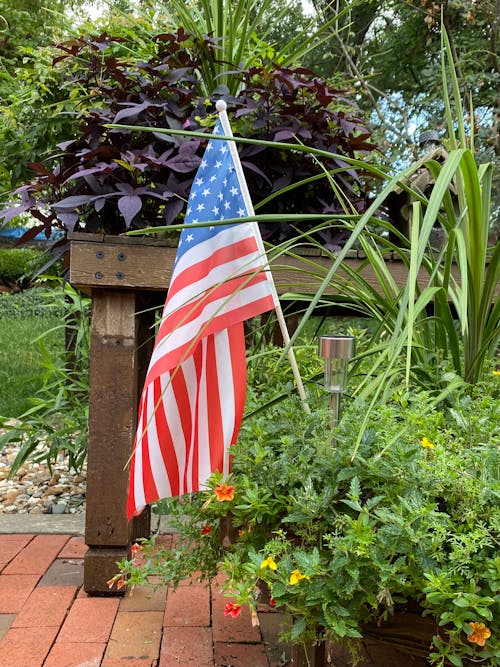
(224, 492)
(120, 582)
(232, 609)
(480, 633)
(135, 549)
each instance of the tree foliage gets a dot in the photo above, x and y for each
(39, 105)
(35, 108)
(390, 50)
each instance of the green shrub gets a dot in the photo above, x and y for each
(18, 265)
(39, 302)
(344, 537)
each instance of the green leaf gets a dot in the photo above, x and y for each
(353, 504)
(484, 612)
(461, 602)
(298, 628)
(454, 659)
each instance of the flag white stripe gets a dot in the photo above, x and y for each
(189, 370)
(216, 276)
(226, 388)
(203, 421)
(139, 496)
(156, 462)
(190, 330)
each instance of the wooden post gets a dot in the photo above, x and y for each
(112, 422)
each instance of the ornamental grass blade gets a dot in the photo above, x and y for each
(412, 282)
(448, 71)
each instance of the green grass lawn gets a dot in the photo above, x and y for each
(24, 317)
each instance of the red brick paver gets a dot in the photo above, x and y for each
(188, 605)
(47, 620)
(10, 546)
(75, 547)
(20, 648)
(89, 620)
(37, 555)
(14, 591)
(68, 654)
(46, 606)
(186, 647)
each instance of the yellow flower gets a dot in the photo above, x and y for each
(427, 443)
(480, 633)
(496, 373)
(297, 576)
(269, 562)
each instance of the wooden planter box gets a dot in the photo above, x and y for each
(127, 279)
(404, 640)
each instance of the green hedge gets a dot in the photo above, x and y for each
(38, 302)
(17, 265)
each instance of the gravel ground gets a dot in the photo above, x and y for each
(36, 489)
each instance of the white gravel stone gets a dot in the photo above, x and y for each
(35, 488)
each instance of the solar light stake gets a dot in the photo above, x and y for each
(336, 352)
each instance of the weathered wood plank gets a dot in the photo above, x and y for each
(118, 263)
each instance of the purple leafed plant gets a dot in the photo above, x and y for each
(110, 180)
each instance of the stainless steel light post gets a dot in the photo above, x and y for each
(336, 352)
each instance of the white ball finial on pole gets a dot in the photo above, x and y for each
(220, 105)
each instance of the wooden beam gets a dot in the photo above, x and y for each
(144, 264)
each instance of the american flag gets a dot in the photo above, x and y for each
(193, 398)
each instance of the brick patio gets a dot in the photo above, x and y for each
(47, 620)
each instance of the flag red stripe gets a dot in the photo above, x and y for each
(172, 358)
(229, 291)
(200, 270)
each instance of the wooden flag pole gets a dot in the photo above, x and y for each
(221, 107)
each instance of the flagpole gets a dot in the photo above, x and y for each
(221, 107)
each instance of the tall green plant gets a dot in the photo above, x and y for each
(242, 29)
(479, 265)
(448, 307)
